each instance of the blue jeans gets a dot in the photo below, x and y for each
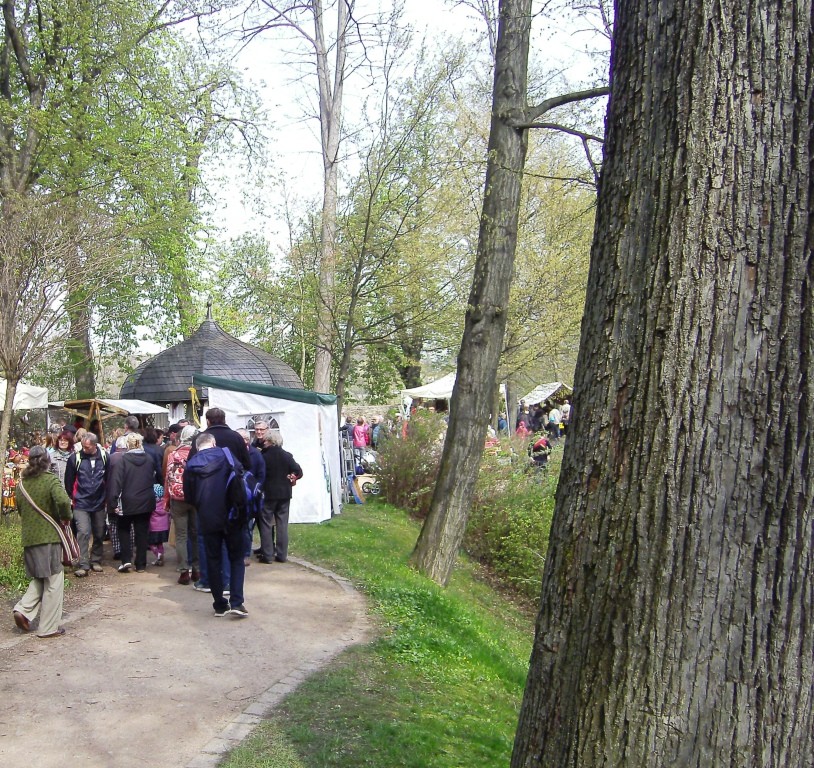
(233, 540)
(224, 561)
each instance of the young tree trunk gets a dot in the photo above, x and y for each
(330, 122)
(485, 322)
(675, 626)
(5, 417)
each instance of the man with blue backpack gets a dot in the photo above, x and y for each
(214, 483)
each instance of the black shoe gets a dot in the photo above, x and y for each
(257, 551)
(263, 560)
(238, 612)
(280, 559)
(220, 612)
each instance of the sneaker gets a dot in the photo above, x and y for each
(184, 578)
(159, 560)
(125, 567)
(239, 612)
(227, 592)
(96, 568)
(199, 587)
(221, 612)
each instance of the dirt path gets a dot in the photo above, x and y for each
(146, 675)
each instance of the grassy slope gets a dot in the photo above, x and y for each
(442, 685)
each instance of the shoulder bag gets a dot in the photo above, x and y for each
(70, 546)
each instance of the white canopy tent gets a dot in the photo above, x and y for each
(440, 389)
(309, 425)
(26, 397)
(543, 392)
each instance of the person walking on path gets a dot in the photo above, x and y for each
(86, 477)
(61, 452)
(42, 550)
(132, 480)
(206, 479)
(282, 472)
(183, 513)
(258, 469)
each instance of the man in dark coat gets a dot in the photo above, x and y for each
(259, 471)
(282, 472)
(86, 477)
(225, 437)
(205, 487)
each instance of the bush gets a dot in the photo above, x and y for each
(511, 516)
(407, 467)
(12, 570)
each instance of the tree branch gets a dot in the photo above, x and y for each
(532, 113)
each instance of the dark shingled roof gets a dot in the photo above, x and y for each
(167, 377)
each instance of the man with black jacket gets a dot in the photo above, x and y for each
(225, 437)
(206, 479)
(86, 476)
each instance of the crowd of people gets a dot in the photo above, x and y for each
(130, 491)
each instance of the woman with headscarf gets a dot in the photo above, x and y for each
(42, 549)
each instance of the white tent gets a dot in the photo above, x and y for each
(440, 389)
(543, 392)
(26, 397)
(309, 425)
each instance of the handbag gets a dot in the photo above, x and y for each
(70, 546)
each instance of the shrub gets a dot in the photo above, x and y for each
(511, 516)
(407, 467)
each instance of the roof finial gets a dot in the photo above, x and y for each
(209, 308)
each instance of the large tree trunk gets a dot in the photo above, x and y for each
(411, 343)
(675, 626)
(80, 351)
(485, 322)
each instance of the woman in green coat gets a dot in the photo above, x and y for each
(42, 550)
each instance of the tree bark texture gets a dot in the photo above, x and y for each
(675, 619)
(485, 321)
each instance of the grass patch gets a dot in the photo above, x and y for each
(442, 685)
(12, 571)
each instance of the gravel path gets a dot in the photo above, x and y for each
(146, 675)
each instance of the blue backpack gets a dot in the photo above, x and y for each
(243, 492)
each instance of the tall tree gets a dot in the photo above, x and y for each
(675, 619)
(42, 244)
(330, 57)
(486, 314)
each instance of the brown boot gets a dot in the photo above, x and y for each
(184, 578)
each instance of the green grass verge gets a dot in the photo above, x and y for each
(12, 571)
(442, 685)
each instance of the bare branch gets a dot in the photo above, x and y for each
(532, 113)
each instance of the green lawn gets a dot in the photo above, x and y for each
(440, 687)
